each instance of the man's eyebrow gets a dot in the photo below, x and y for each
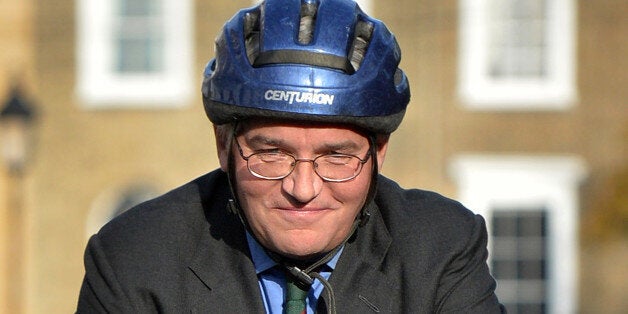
(265, 140)
(341, 145)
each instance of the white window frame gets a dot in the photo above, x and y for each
(98, 85)
(487, 183)
(479, 91)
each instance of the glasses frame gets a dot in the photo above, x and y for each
(297, 160)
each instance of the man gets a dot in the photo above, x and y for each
(303, 96)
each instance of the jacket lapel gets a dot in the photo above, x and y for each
(359, 281)
(221, 277)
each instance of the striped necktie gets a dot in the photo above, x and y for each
(295, 298)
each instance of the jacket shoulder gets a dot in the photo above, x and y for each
(417, 205)
(177, 219)
(427, 222)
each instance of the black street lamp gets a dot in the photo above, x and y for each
(16, 119)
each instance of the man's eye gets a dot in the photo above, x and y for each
(337, 159)
(272, 156)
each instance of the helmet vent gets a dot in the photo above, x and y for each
(252, 35)
(363, 33)
(307, 22)
(398, 78)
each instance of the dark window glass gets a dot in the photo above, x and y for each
(519, 258)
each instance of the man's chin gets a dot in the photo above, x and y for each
(301, 256)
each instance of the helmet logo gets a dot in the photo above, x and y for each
(299, 97)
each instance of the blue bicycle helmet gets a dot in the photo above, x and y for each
(313, 60)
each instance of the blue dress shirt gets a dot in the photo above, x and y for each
(272, 280)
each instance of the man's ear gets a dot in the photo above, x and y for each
(222, 147)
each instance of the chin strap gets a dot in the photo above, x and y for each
(308, 278)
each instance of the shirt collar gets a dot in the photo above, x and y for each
(263, 262)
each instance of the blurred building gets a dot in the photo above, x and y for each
(518, 110)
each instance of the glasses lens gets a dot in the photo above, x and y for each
(271, 165)
(338, 167)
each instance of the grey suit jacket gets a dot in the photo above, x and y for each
(185, 253)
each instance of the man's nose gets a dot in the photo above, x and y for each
(303, 183)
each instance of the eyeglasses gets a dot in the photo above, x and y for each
(276, 165)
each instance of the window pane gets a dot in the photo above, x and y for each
(517, 41)
(139, 7)
(504, 225)
(531, 308)
(531, 269)
(505, 269)
(140, 55)
(140, 37)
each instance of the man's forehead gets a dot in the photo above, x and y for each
(258, 124)
(280, 133)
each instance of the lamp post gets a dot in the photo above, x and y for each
(15, 122)
(16, 117)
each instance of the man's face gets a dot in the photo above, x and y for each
(301, 215)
